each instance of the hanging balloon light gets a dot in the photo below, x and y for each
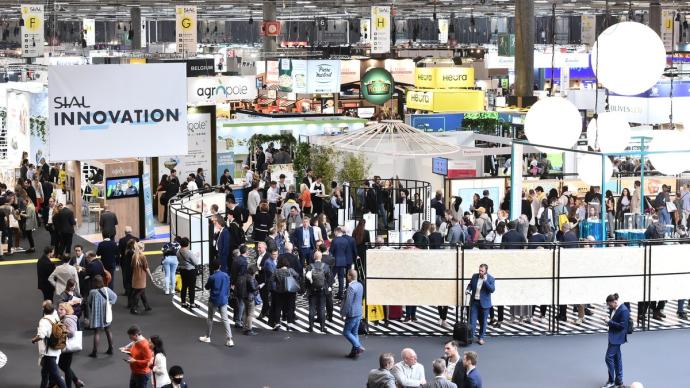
(553, 121)
(609, 132)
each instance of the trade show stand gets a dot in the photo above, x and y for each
(124, 194)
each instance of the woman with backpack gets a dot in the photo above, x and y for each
(169, 264)
(187, 263)
(67, 317)
(100, 301)
(284, 293)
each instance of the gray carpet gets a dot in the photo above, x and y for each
(284, 360)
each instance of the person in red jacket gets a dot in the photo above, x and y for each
(140, 357)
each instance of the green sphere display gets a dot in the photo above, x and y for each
(377, 86)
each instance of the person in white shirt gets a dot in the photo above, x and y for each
(408, 372)
(191, 183)
(253, 200)
(62, 274)
(273, 197)
(48, 357)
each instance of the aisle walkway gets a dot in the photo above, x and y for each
(296, 360)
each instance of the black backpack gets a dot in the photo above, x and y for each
(318, 276)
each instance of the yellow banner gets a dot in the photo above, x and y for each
(444, 77)
(444, 100)
(422, 100)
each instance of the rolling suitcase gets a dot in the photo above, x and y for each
(462, 331)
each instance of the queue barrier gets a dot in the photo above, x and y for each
(552, 274)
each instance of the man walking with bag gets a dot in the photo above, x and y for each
(351, 311)
(318, 275)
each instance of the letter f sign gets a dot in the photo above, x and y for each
(32, 22)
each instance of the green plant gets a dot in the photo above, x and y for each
(323, 161)
(301, 161)
(285, 139)
(355, 168)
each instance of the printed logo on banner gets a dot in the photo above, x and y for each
(131, 118)
(377, 86)
(203, 90)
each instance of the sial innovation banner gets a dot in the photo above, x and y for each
(117, 111)
(32, 31)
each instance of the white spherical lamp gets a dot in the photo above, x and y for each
(609, 132)
(553, 121)
(628, 58)
(589, 169)
(670, 163)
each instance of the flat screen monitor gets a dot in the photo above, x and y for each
(122, 187)
(439, 166)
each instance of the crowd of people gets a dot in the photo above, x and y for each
(451, 371)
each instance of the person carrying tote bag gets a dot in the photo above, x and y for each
(100, 301)
(74, 344)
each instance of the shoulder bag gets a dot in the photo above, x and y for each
(291, 284)
(74, 344)
(108, 307)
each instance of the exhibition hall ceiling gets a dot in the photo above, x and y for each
(302, 9)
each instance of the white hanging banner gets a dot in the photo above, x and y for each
(32, 30)
(443, 31)
(144, 33)
(380, 30)
(667, 24)
(565, 80)
(365, 30)
(89, 31)
(588, 29)
(185, 29)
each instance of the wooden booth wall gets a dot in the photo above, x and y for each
(126, 209)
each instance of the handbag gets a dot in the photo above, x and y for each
(671, 207)
(108, 308)
(74, 344)
(291, 285)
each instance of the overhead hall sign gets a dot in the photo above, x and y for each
(32, 30)
(117, 111)
(185, 29)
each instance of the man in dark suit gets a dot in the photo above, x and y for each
(222, 243)
(303, 239)
(341, 250)
(108, 223)
(513, 239)
(238, 268)
(294, 262)
(487, 203)
(109, 254)
(236, 232)
(455, 370)
(67, 222)
(329, 260)
(122, 243)
(618, 334)
(480, 289)
(472, 378)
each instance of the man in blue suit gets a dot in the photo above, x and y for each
(222, 243)
(341, 250)
(303, 239)
(618, 335)
(480, 289)
(472, 377)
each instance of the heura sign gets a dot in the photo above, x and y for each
(377, 86)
